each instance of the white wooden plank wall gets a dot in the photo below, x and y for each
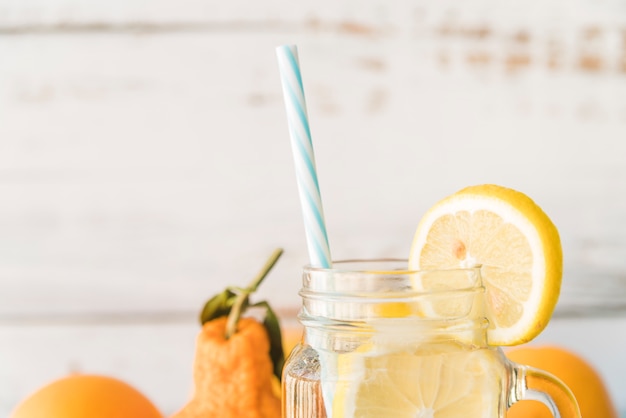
(145, 162)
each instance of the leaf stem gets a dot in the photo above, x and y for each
(241, 300)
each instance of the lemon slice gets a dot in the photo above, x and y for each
(442, 380)
(514, 242)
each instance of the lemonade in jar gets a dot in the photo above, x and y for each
(421, 337)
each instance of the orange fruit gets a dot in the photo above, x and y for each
(292, 336)
(576, 372)
(86, 396)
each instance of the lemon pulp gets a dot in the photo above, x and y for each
(436, 380)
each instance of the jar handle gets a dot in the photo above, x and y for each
(529, 383)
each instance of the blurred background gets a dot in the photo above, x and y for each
(145, 161)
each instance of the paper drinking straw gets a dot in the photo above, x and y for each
(304, 159)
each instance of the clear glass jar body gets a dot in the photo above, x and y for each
(375, 346)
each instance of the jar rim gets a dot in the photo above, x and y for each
(338, 267)
(365, 295)
(385, 279)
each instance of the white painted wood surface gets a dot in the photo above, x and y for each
(145, 162)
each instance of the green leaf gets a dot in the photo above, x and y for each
(218, 305)
(272, 326)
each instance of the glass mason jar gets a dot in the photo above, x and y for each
(381, 341)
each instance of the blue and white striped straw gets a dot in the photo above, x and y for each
(304, 159)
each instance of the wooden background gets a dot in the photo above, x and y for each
(145, 162)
